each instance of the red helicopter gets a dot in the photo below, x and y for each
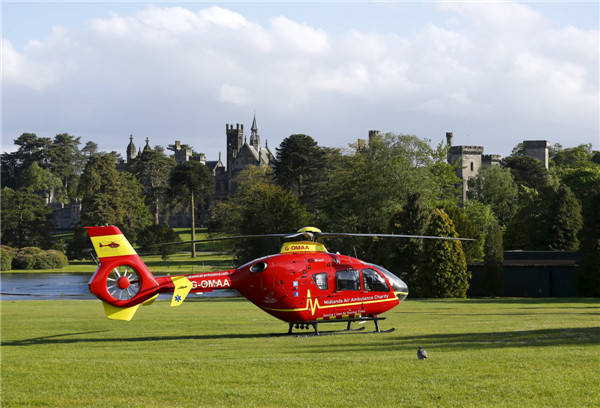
(303, 285)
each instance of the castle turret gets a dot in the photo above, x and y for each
(131, 152)
(147, 147)
(254, 136)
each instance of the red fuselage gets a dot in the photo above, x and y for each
(309, 286)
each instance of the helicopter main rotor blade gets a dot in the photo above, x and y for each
(320, 235)
(292, 235)
(313, 236)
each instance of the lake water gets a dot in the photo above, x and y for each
(52, 286)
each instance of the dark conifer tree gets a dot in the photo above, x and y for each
(401, 256)
(443, 270)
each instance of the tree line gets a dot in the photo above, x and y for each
(398, 184)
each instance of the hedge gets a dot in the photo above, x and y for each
(36, 258)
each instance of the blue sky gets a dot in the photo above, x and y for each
(494, 73)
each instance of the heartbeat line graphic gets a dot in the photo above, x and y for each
(312, 304)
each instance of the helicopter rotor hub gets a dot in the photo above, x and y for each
(123, 282)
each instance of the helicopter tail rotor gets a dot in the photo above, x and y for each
(122, 280)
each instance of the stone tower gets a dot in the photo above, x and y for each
(235, 141)
(538, 149)
(470, 160)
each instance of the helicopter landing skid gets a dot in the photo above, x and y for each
(348, 329)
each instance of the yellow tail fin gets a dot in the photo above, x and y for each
(182, 288)
(119, 313)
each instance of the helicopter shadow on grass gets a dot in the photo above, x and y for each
(457, 341)
(533, 301)
(60, 338)
(576, 336)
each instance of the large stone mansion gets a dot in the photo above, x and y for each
(240, 155)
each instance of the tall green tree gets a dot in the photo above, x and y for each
(298, 163)
(402, 256)
(89, 149)
(572, 157)
(31, 149)
(527, 171)
(493, 261)
(564, 220)
(108, 197)
(465, 229)
(66, 161)
(42, 180)
(370, 183)
(152, 170)
(25, 219)
(443, 269)
(549, 219)
(582, 181)
(192, 184)
(480, 215)
(495, 186)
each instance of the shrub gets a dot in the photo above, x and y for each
(6, 258)
(35, 258)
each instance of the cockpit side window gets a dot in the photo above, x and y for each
(321, 280)
(373, 281)
(347, 280)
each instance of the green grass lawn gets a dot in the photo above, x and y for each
(218, 353)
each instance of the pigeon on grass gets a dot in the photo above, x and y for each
(422, 354)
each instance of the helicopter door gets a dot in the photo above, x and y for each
(373, 281)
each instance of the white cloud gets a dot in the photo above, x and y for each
(491, 63)
(31, 70)
(234, 94)
(223, 18)
(299, 38)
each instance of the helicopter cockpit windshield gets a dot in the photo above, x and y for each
(398, 284)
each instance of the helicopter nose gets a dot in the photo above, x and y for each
(401, 290)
